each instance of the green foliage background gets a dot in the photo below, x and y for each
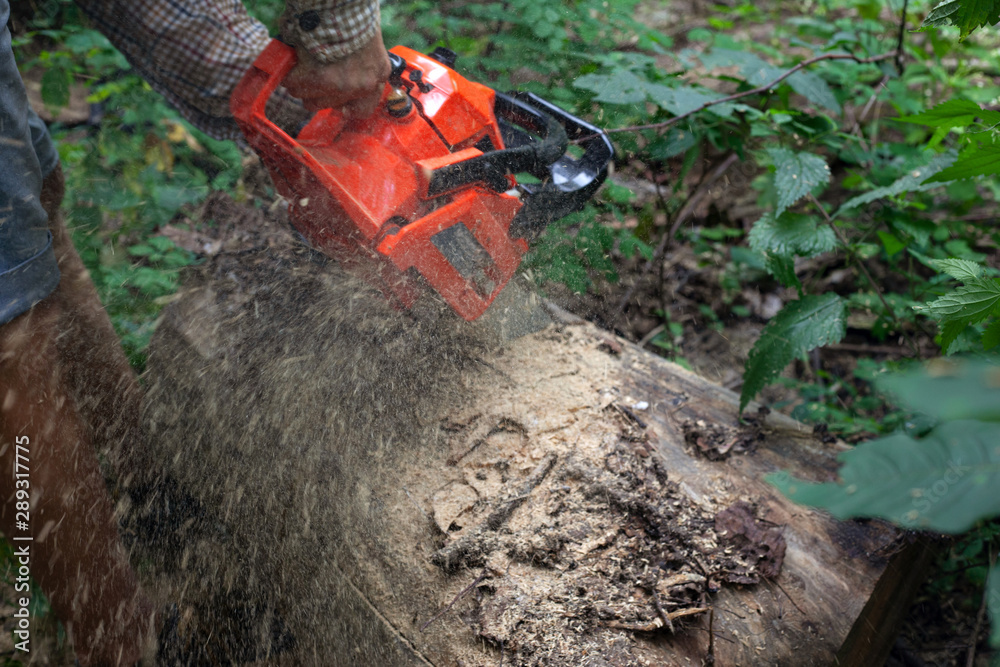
(904, 200)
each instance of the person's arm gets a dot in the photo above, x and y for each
(194, 52)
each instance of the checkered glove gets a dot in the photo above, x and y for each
(330, 29)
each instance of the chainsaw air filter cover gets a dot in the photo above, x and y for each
(426, 185)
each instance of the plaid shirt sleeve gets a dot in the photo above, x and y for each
(194, 52)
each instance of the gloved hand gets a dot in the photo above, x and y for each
(353, 84)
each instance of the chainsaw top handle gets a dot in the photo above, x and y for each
(569, 182)
(493, 167)
(259, 83)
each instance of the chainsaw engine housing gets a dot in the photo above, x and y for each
(423, 191)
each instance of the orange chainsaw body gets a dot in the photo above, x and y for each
(359, 191)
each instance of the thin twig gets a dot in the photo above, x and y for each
(971, 658)
(664, 616)
(661, 291)
(872, 100)
(899, 38)
(652, 334)
(461, 594)
(710, 656)
(685, 212)
(756, 91)
(864, 270)
(790, 598)
(856, 130)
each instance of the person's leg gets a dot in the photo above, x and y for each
(76, 554)
(56, 358)
(96, 371)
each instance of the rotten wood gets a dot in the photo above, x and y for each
(470, 548)
(312, 441)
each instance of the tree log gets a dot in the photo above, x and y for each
(339, 483)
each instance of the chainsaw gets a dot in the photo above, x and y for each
(425, 191)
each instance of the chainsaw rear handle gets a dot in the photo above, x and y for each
(250, 98)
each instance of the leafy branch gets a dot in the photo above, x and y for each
(977, 300)
(759, 90)
(864, 271)
(966, 15)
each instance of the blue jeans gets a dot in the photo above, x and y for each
(28, 271)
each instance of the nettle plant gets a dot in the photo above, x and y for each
(941, 473)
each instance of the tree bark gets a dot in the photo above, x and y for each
(347, 484)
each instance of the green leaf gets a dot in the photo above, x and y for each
(618, 193)
(991, 337)
(685, 99)
(801, 325)
(891, 244)
(912, 182)
(87, 40)
(814, 89)
(754, 69)
(993, 598)
(944, 482)
(620, 87)
(629, 244)
(950, 331)
(141, 250)
(673, 143)
(791, 234)
(947, 389)
(981, 160)
(966, 14)
(752, 258)
(970, 303)
(154, 282)
(919, 229)
(55, 87)
(953, 113)
(959, 269)
(796, 175)
(782, 267)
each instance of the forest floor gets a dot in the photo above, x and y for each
(717, 329)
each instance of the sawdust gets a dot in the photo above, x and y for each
(717, 442)
(334, 473)
(275, 385)
(299, 421)
(602, 545)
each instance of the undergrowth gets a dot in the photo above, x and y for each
(129, 169)
(867, 131)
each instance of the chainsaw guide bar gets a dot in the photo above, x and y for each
(425, 191)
